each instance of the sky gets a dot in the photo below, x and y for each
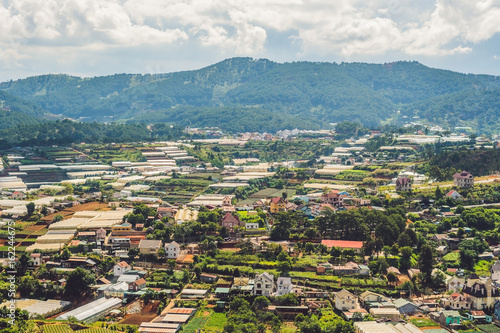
(103, 37)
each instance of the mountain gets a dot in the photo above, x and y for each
(244, 94)
(15, 111)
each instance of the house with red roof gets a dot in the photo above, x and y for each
(454, 195)
(231, 222)
(343, 244)
(121, 268)
(277, 205)
(137, 285)
(333, 198)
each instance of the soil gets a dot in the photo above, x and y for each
(68, 212)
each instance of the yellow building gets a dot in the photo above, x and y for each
(278, 204)
(122, 227)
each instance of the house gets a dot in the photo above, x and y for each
(17, 195)
(455, 284)
(283, 286)
(277, 205)
(36, 259)
(222, 292)
(454, 195)
(137, 285)
(479, 317)
(463, 179)
(124, 227)
(349, 268)
(390, 313)
(194, 293)
(149, 246)
(208, 278)
(354, 245)
(495, 271)
(481, 292)
(447, 317)
(369, 297)
(333, 198)
(263, 284)
(100, 235)
(230, 222)
(345, 300)
(172, 250)
(456, 301)
(403, 184)
(406, 307)
(121, 268)
(496, 310)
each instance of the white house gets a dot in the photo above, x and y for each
(36, 259)
(251, 225)
(172, 250)
(455, 284)
(121, 268)
(345, 300)
(264, 284)
(495, 271)
(283, 286)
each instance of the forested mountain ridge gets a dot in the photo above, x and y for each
(243, 94)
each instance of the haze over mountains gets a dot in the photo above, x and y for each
(243, 94)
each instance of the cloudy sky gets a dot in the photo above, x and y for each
(100, 37)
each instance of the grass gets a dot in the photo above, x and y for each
(197, 322)
(452, 257)
(57, 329)
(488, 328)
(216, 322)
(423, 322)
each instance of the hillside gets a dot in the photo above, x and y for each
(243, 94)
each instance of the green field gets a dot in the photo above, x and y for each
(423, 322)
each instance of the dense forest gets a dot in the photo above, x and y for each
(67, 131)
(479, 162)
(243, 94)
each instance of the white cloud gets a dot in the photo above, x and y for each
(341, 28)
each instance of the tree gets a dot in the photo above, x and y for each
(284, 268)
(260, 303)
(57, 218)
(23, 262)
(133, 252)
(426, 262)
(65, 254)
(391, 277)
(438, 193)
(31, 208)
(78, 283)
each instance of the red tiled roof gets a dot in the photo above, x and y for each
(277, 200)
(342, 243)
(140, 282)
(477, 313)
(123, 264)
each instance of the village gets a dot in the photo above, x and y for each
(292, 232)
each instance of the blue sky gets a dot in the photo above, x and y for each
(102, 37)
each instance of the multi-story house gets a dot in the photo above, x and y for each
(277, 205)
(463, 179)
(283, 285)
(481, 292)
(345, 300)
(403, 184)
(333, 198)
(172, 250)
(263, 284)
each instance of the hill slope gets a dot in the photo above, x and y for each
(243, 94)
